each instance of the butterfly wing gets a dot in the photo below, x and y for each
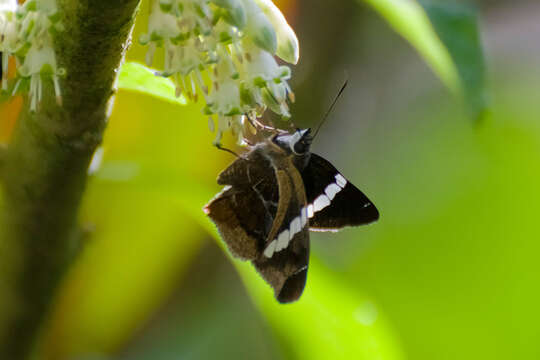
(286, 271)
(251, 170)
(334, 202)
(243, 231)
(256, 213)
(285, 258)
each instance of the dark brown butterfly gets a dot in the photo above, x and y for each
(274, 195)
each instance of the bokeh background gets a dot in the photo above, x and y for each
(449, 272)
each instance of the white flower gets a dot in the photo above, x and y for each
(7, 35)
(37, 21)
(39, 63)
(224, 101)
(234, 42)
(235, 123)
(259, 28)
(267, 80)
(28, 36)
(287, 43)
(225, 96)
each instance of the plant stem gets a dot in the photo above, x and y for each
(44, 170)
(3, 152)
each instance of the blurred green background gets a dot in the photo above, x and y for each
(449, 272)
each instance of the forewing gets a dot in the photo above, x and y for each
(334, 202)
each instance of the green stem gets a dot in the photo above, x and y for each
(3, 154)
(44, 170)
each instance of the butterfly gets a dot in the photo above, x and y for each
(273, 196)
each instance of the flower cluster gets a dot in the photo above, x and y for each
(26, 33)
(231, 44)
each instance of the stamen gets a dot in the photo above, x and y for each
(57, 90)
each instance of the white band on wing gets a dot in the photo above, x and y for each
(299, 222)
(330, 193)
(285, 237)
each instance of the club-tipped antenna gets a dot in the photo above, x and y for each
(331, 107)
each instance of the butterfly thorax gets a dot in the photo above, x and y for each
(295, 145)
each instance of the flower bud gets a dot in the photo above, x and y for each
(235, 12)
(287, 42)
(259, 28)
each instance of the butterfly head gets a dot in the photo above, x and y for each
(297, 143)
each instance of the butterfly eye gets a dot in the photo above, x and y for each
(301, 146)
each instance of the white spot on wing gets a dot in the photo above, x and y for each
(269, 251)
(295, 227)
(324, 230)
(310, 211)
(341, 181)
(320, 203)
(331, 190)
(282, 240)
(303, 217)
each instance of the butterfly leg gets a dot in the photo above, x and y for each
(228, 150)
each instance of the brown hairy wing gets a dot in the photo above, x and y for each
(242, 221)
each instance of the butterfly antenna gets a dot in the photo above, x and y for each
(331, 107)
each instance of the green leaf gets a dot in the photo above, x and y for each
(457, 27)
(332, 319)
(409, 19)
(446, 35)
(137, 77)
